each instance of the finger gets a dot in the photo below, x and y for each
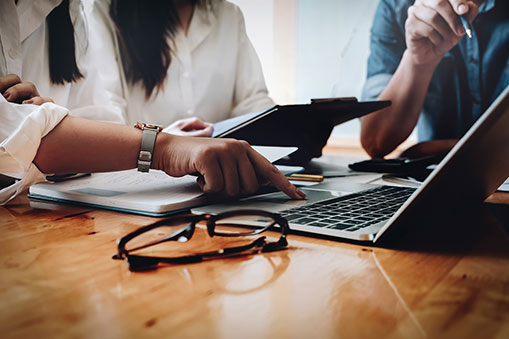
(248, 180)
(446, 10)
(265, 169)
(8, 81)
(172, 127)
(432, 18)
(194, 124)
(38, 101)
(418, 30)
(20, 92)
(228, 163)
(207, 132)
(460, 6)
(177, 126)
(473, 11)
(211, 179)
(201, 182)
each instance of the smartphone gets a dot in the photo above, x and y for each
(397, 165)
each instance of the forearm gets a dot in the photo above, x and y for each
(79, 145)
(383, 131)
(225, 165)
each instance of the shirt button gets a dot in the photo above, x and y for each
(12, 53)
(473, 60)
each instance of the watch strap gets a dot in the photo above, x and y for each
(148, 140)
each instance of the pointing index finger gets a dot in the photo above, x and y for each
(266, 169)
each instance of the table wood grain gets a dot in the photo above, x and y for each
(57, 280)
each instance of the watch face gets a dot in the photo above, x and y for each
(142, 126)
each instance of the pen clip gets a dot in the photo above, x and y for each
(65, 177)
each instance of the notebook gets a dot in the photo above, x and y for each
(471, 171)
(152, 194)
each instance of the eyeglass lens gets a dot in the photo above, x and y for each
(242, 225)
(156, 242)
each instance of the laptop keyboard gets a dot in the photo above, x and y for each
(351, 212)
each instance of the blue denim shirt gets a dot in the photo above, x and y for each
(467, 80)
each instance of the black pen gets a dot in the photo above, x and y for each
(466, 25)
(65, 177)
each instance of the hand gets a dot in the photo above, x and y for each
(225, 165)
(433, 27)
(14, 90)
(191, 127)
(428, 148)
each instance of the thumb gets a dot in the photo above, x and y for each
(195, 124)
(206, 132)
(467, 8)
(473, 11)
(459, 6)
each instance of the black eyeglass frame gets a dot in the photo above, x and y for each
(144, 262)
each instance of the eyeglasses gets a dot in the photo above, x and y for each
(239, 223)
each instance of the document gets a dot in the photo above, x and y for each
(154, 193)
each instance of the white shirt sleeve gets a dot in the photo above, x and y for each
(24, 52)
(89, 97)
(21, 129)
(251, 94)
(101, 61)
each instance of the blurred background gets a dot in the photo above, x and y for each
(313, 49)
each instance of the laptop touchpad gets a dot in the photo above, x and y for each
(341, 186)
(273, 202)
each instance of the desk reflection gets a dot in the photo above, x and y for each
(57, 279)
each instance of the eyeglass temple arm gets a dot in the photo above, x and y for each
(232, 250)
(260, 242)
(139, 262)
(174, 236)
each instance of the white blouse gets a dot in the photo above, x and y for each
(21, 129)
(214, 73)
(24, 52)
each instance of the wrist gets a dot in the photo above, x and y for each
(416, 68)
(161, 148)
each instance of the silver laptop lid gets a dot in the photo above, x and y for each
(473, 169)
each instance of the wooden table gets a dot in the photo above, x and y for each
(57, 280)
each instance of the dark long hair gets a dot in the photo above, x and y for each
(62, 55)
(144, 30)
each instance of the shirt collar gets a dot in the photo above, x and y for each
(32, 14)
(487, 6)
(201, 25)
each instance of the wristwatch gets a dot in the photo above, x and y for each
(148, 140)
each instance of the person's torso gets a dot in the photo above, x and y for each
(469, 77)
(201, 77)
(25, 45)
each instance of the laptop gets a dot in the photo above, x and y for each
(471, 171)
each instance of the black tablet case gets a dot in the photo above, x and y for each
(288, 125)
